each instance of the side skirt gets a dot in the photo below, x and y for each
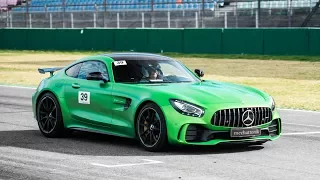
(100, 132)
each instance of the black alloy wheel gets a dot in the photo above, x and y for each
(151, 128)
(49, 116)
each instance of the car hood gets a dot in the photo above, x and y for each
(210, 92)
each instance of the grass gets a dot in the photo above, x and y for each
(247, 57)
(288, 93)
(294, 83)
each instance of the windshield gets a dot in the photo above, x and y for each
(151, 71)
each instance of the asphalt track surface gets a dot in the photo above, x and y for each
(26, 154)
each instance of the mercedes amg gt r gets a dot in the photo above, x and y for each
(153, 98)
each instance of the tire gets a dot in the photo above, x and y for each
(151, 132)
(254, 143)
(258, 143)
(49, 117)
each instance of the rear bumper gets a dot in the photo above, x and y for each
(34, 99)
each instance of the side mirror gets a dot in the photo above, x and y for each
(199, 72)
(98, 76)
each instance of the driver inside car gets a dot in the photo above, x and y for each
(153, 74)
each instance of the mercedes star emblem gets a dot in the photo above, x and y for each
(248, 118)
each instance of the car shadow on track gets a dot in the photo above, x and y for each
(92, 144)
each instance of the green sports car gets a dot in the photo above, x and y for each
(153, 98)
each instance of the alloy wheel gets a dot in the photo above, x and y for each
(47, 114)
(149, 126)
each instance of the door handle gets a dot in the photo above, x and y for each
(75, 85)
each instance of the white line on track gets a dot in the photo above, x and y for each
(21, 87)
(299, 133)
(306, 125)
(148, 161)
(298, 110)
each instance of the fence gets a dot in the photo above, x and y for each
(278, 41)
(202, 14)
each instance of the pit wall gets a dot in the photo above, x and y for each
(269, 41)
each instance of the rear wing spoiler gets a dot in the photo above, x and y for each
(50, 70)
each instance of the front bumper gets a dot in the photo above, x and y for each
(199, 135)
(200, 131)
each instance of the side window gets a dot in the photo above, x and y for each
(127, 73)
(73, 70)
(92, 66)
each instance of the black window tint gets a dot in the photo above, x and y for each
(92, 66)
(128, 73)
(73, 70)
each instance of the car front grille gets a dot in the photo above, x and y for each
(234, 117)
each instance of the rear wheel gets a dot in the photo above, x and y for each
(151, 128)
(49, 116)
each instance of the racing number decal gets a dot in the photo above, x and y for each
(84, 97)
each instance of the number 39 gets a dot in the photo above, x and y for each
(84, 96)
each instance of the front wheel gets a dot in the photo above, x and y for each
(151, 128)
(258, 143)
(49, 116)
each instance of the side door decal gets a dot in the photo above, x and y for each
(83, 97)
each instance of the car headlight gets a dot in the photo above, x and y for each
(273, 104)
(186, 108)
